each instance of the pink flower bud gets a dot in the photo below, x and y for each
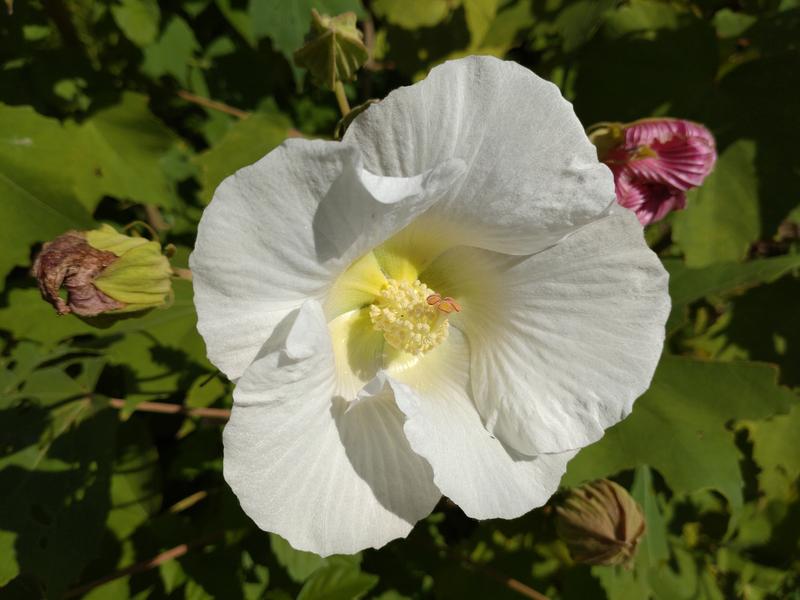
(654, 162)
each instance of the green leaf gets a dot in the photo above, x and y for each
(287, 23)
(775, 451)
(722, 216)
(172, 54)
(634, 51)
(37, 184)
(239, 18)
(299, 565)
(580, 20)
(479, 16)
(412, 14)
(162, 350)
(125, 144)
(679, 426)
(28, 317)
(687, 285)
(653, 548)
(138, 20)
(55, 476)
(243, 144)
(337, 582)
(135, 479)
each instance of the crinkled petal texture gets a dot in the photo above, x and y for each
(486, 478)
(328, 476)
(279, 232)
(532, 174)
(563, 341)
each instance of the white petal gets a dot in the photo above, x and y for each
(565, 340)
(327, 476)
(470, 466)
(279, 232)
(532, 173)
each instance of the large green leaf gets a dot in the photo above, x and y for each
(37, 184)
(679, 426)
(58, 448)
(243, 144)
(125, 144)
(135, 479)
(722, 215)
(687, 285)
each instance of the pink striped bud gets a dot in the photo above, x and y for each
(654, 162)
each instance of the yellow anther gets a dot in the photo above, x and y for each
(411, 316)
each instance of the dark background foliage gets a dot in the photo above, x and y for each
(104, 117)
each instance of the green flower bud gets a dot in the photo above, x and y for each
(103, 272)
(600, 523)
(335, 50)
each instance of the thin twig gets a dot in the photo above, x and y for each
(213, 104)
(514, 585)
(146, 565)
(188, 502)
(155, 218)
(227, 109)
(222, 414)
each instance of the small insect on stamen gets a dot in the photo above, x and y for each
(446, 305)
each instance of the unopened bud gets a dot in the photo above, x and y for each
(335, 50)
(103, 271)
(654, 162)
(600, 523)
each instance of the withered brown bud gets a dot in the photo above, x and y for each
(103, 271)
(600, 523)
(70, 262)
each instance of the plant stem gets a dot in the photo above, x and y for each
(188, 502)
(213, 104)
(146, 565)
(341, 98)
(222, 414)
(225, 108)
(155, 218)
(514, 585)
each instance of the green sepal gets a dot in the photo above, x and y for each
(335, 50)
(141, 278)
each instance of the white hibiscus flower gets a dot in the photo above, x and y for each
(445, 302)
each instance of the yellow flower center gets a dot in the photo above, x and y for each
(411, 316)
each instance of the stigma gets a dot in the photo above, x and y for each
(411, 316)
